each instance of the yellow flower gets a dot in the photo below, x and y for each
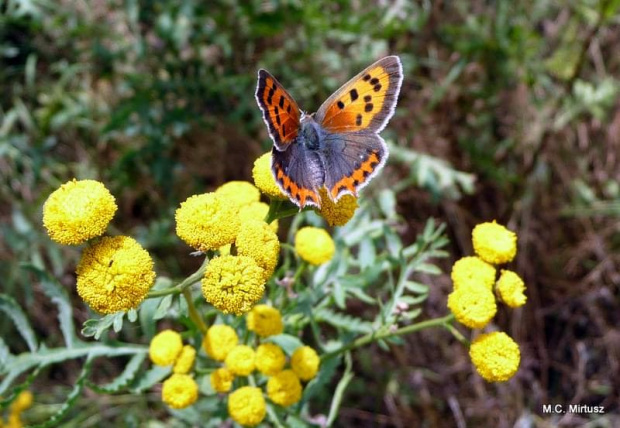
(185, 361)
(472, 307)
(314, 245)
(241, 360)
(258, 241)
(471, 271)
(206, 222)
(22, 402)
(179, 391)
(233, 284)
(496, 356)
(78, 211)
(263, 177)
(247, 406)
(511, 289)
(305, 363)
(115, 274)
(219, 340)
(256, 211)
(222, 380)
(238, 193)
(270, 359)
(165, 347)
(337, 213)
(265, 321)
(494, 243)
(284, 388)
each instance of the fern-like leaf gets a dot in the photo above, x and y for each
(345, 322)
(124, 379)
(10, 307)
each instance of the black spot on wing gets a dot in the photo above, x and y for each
(354, 95)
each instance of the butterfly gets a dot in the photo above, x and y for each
(338, 147)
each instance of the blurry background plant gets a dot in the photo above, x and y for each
(156, 100)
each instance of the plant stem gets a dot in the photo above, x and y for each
(193, 313)
(386, 333)
(180, 287)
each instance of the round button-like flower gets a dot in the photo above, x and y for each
(115, 274)
(222, 380)
(179, 391)
(494, 243)
(78, 211)
(241, 360)
(238, 193)
(305, 363)
(22, 402)
(314, 245)
(258, 241)
(284, 388)
(270, 359)
(185, 361)
(219, 340)
(246, 406)
(256, 211)
(471, 271)
(265, 321)
(472, 307)
(207, 222)
(233, 284)
(263, 178)
(337, 213)
(511, 289)
(496, 356)
(165, 347)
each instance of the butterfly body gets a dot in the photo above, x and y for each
(338, 148)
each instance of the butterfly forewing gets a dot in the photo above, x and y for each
(280, 111)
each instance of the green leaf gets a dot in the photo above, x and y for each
(323, 379)
(367, 253)
(428, 268)
(162, 309)
(151, 377)
(287, 342)
(5, 355)
(117, 325)
(95, 327)
(343, 321)
(60, 297)
(15, 312)
(124, 379)
(338, 294)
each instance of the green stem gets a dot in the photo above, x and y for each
(457, 334)
(386, 333)
(180, 287)
(274, 207)
(193, 313)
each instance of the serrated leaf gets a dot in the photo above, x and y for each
(60, 297)
(287, 342)
(343, 321)
(10, 307)
(151, 377)
(125, 378)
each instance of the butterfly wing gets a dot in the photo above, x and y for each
(280, 111)
(299, 174)
(366, 102)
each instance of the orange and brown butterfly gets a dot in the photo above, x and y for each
(339, 146)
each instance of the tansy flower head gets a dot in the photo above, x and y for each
(185, 361)
(233, 284)
(241, 360)
(179, 391)
(256, 211)
(78, 211)
(265, 321)
(270, 359)
(494, 243)
(22, 402)
(263, 177)
(337, 213)
(247, 406)
(511, 289)
(305, 363)
(207, 222)
(222, 380)
(115, 274)
(472, 307)
(496, 356)
(284, 388)
(258, 241)
(165, 347)
(470, 272)
(219, 340)
(238, 193)
(314, 245)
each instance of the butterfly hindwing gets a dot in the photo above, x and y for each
(280, 111)
(299, 174)
(366, 102)
(351, 160)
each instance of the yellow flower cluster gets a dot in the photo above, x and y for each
(473, 300)
(166, 348)
(21, 403)
(314, 245)
(246, 405)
